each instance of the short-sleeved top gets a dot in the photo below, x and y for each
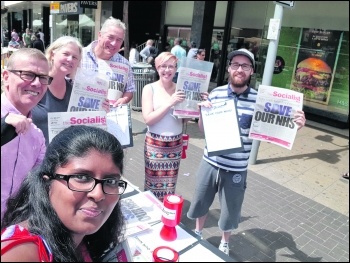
(89, 61)
(49, 103)
(245, 104)
(169, 125)
(179, 52)
(19, 155)
(19, 235)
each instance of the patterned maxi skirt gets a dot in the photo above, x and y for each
(162, 162)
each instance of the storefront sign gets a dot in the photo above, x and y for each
(70, 8)
(54, 8)
(88, 4)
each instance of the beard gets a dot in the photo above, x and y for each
(238, 83)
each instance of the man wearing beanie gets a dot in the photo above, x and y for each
(227, 174)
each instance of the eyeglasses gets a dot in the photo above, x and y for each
(30, 76)
(85, 183)
(170, 67)
(245, 67)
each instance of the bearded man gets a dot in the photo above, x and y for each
(227, 174)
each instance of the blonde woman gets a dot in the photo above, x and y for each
(163, 141)
(64, 56)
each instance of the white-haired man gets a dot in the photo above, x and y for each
(106, 47)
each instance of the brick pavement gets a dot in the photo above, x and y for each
(278, 224)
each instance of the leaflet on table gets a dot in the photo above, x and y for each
(141, 211)
(119, 124)
(89, 91)
(193, 79)
(273, 116)
(221, 129)
(58, 121)
(116, 74)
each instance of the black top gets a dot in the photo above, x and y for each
(38, 44)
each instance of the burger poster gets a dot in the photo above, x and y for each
(315, 64)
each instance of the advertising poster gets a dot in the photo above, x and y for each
(315, 64)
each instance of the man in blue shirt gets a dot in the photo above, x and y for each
(179, 53)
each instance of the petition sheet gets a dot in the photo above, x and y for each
(273, 116)
(119, 124)
(221, 121)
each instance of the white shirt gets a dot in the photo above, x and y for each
(134, 56)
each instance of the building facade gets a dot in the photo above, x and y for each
(310, 34)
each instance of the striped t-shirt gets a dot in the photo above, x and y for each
(245, 103)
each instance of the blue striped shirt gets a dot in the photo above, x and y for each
(245, 104)
(89, 61)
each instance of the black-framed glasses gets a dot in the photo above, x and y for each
(245, 67)
(30, 76)
(86, 183)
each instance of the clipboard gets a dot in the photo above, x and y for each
(221, 128)
(119, 124)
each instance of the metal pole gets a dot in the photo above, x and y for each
(268, 72)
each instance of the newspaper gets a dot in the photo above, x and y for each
(117, 75)
(119, 124)
(273, 116)
(58, 121)
(193, 79)
(141, 211)
(88, 93)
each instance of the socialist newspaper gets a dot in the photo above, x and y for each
(273, 118)
(194, 79)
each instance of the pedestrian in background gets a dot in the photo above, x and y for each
(27, 38)
(193, 50)
(227, 174)
(134, 55)
(42, 36)
(145, 52)
(68, 209)
(179, 53)
(14, 35)
(110, 39)
(200, 54)
(25, 83)
(38, 44)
